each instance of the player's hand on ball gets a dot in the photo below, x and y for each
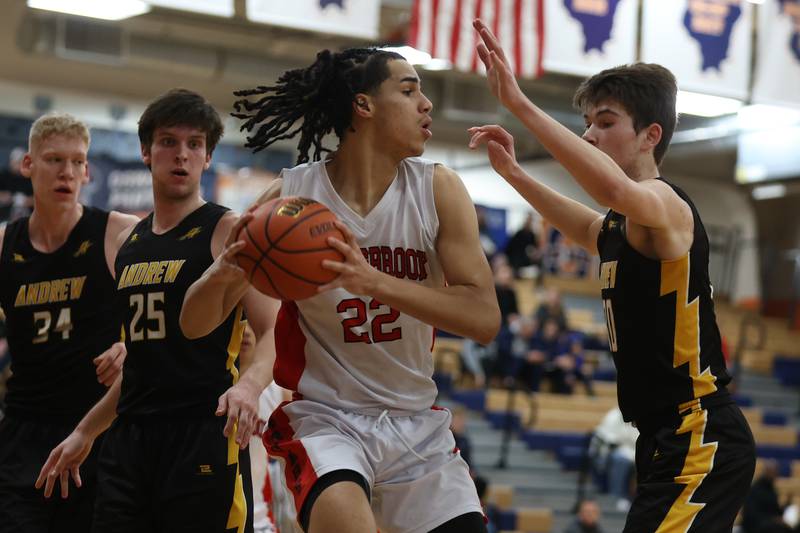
(355, 274)
(109, 363)
(225, 269)
(240, 404)
(64, 461)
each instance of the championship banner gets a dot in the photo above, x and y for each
(705, 43)
(777, 79)
(586, 36)
(357, 18)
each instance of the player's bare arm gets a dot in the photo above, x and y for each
(214, 295)
(469, 279)
(66, 458)
(649, 203)
(575, 220)
(212, 298)
(108, 364)
(240, 402)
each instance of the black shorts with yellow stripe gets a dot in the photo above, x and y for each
(693, 471)
(172, 475)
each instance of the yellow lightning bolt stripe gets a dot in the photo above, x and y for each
(237, 515)
(698, 463)
(675, 278)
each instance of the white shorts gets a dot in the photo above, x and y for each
(417, 478)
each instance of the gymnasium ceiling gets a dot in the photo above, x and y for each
(146, 55)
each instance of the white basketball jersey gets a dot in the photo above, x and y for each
(354, 352)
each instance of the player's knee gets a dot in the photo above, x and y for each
(338, 502)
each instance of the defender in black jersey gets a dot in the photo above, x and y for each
(62, 328)
(171, 460)
(695, 455)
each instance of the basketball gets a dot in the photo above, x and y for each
(285, 244)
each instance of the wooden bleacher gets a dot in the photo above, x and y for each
(534, 520)
(500, 496)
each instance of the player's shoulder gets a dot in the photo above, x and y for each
(118, 222)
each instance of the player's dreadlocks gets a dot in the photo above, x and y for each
(320, 95)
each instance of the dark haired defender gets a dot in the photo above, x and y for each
(171, 460)
(695, 455)
(361, 446)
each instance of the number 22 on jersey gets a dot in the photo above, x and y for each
(380, 329)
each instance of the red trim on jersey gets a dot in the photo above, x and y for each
(280, 442)
(290, 344)
(266, 493)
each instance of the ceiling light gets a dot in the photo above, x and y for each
(412, 55)
(767, 192)
(756, 1)
(764, 117)
(99, 9)
(221, 8)
(705, 105)
(437, 64)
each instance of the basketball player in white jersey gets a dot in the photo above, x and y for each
(362, 445)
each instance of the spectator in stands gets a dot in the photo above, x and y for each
(509, 312)
(16, 191)
(550, 355)
(552, 308)
(495, 359)
(762, 512)
(588, 519)
(613, 451)
(523, 247)
(487, 243)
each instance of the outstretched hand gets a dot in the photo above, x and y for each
(64, 461)
(500, 147)
(499, 74)
(355, 274)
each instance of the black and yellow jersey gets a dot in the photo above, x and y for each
(60, 316)
(662, 329)
(164, 372)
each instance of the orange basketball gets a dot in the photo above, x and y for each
(285, 244)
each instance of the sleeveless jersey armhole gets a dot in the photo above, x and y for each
(431, 224)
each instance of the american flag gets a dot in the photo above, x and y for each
(443, 28)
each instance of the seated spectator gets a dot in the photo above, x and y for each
(552, 308)
(550, 355)
(522, 248)
(762, 512)
(495, 359)
(588, 519)
(613, 449)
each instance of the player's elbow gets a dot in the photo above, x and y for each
(189, 328)
(489, 325)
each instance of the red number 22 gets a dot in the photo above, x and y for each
(378, 333)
